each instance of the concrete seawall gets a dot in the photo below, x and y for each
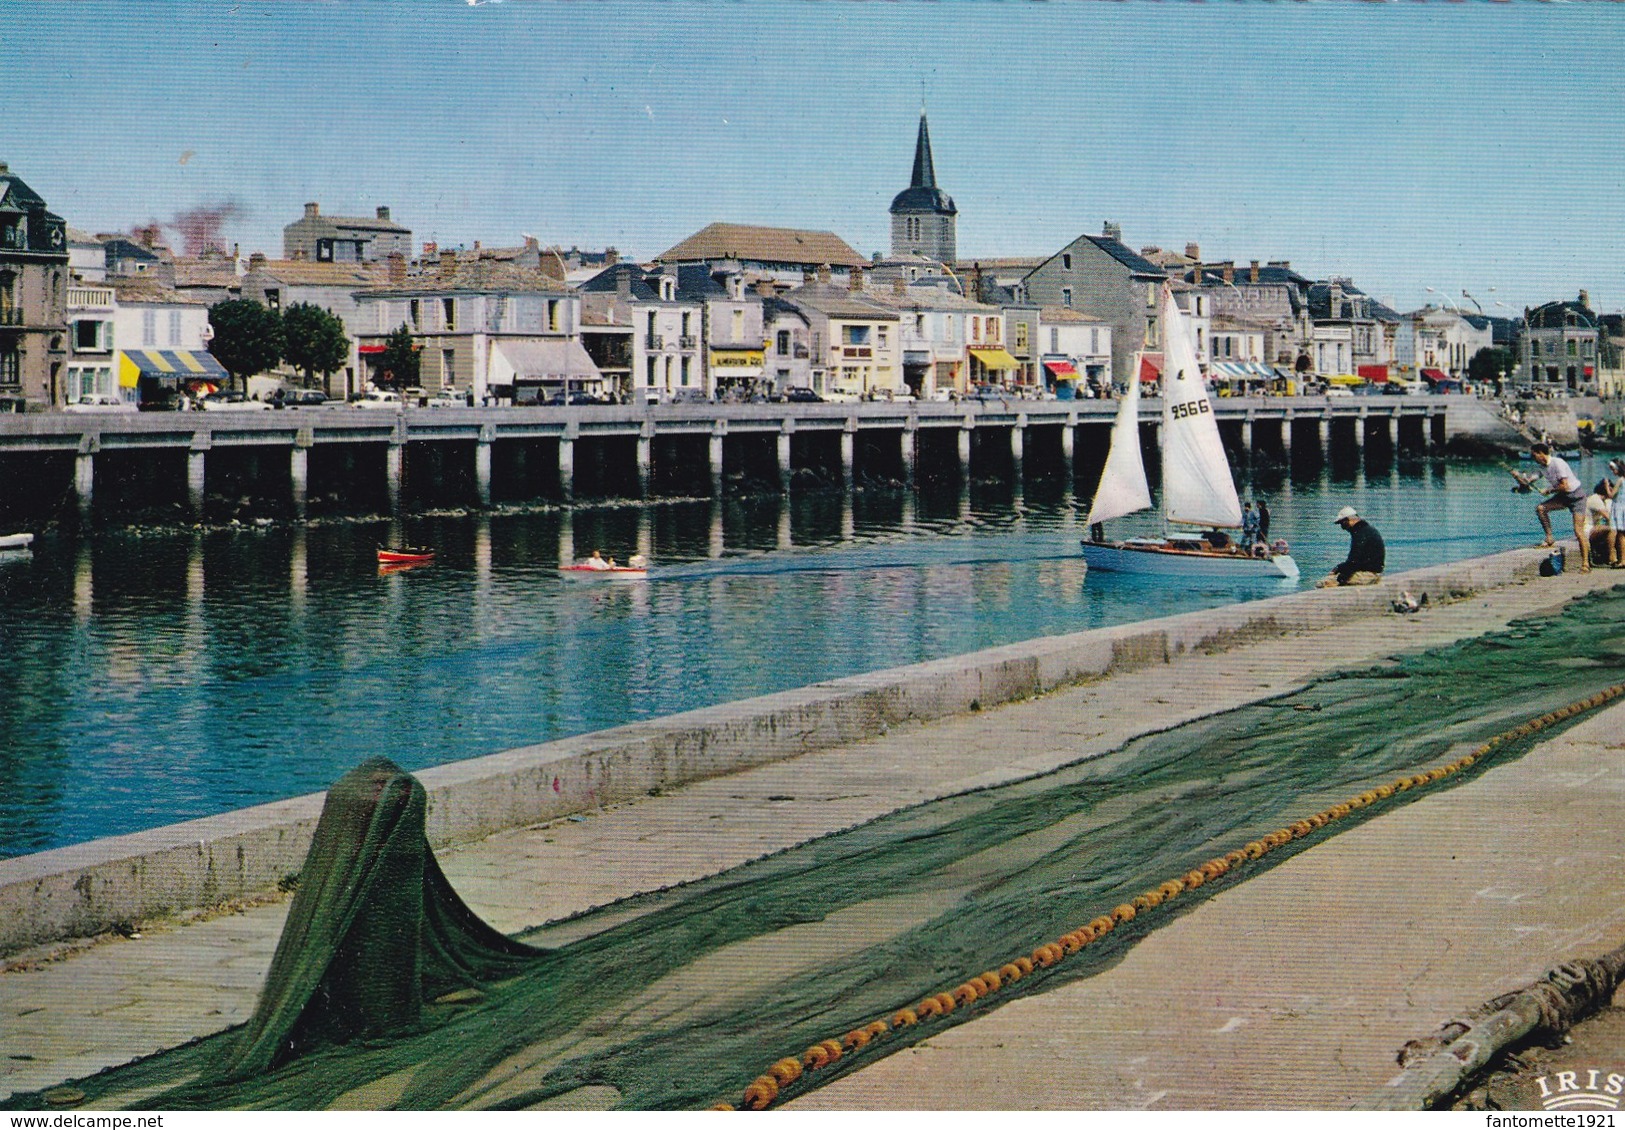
(89, 888)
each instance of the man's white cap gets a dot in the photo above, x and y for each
(1346, 513)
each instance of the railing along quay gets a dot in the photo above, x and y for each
(1268, 423)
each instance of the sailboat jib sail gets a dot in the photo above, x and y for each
(1196, 484)
(1123, 489)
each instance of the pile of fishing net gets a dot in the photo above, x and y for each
(387, 991)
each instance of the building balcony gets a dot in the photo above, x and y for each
(857, 352)
(91, 297)
(13, 318)
(657, 341)
(687, 341)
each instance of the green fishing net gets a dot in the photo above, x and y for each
(386, 991)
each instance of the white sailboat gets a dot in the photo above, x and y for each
(1197, 490)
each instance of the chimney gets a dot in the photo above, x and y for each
(311, 210)
(1112, 231)
(530, 242)
(256, 261)
(1193, 251)
(1585, 301)
(1252, 272)
(611, 256)
(899, 286)
(1230, 274)
(623, 284)
(448, 263)
(854, 279)
(430, 249)
(397, 268)
(823, 272)
(383, 212)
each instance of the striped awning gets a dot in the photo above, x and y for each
(168, 365)
(1239, 371)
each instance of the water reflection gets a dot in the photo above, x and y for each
(162, 677)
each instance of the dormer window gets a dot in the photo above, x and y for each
(668, 288)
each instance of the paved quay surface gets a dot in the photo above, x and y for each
(1293, 989)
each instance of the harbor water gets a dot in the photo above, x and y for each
(157, 676)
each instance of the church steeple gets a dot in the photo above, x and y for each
(923, 216)
(925, 176)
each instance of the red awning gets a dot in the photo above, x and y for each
(369, 348)
(1376, 374)
(1434, 375)
(1150, 369)
(1062, 369)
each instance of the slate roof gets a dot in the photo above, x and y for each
(607, 281)
(16, 196)
(1118, 250)
(752, 243)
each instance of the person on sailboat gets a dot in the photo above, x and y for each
(1367, 554)
(1263, 521)
(1249, 525)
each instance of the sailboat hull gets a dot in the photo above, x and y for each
(1156, 558)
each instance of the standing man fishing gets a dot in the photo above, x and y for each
(1563, 492)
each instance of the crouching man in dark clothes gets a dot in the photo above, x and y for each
(1367, 555)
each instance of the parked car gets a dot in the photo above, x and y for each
(802, 396)
(229, 400)
(574, 398)
(690, 396)
(305, 398)
(1338, 390)
(99, 402)
(379, 398)
(448, 398)
(841, 396)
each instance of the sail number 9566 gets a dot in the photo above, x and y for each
(1190, 408)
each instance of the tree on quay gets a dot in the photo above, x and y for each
(248, 337)
(1489, 366)
(398, 363)
(315, 342)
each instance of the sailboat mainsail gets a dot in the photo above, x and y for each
(1196, 484)
(1123, 488)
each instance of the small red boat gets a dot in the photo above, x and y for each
(406, 555)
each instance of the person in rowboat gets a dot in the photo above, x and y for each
(596, 561)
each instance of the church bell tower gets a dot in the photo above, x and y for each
(922, 215)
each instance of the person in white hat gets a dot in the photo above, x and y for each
(1367, 554)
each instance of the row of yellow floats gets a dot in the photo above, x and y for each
(764, 1090)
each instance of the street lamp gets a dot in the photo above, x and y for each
(1443, 297)
(1474, 301)
(1523, 335)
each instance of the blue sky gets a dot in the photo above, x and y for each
(1458, 146)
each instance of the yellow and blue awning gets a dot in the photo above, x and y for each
(177, 365)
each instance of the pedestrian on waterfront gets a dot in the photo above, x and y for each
(1249, 525)
(1616, 515)
(1563, 492)
(1263, 521)
(1367, 554)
